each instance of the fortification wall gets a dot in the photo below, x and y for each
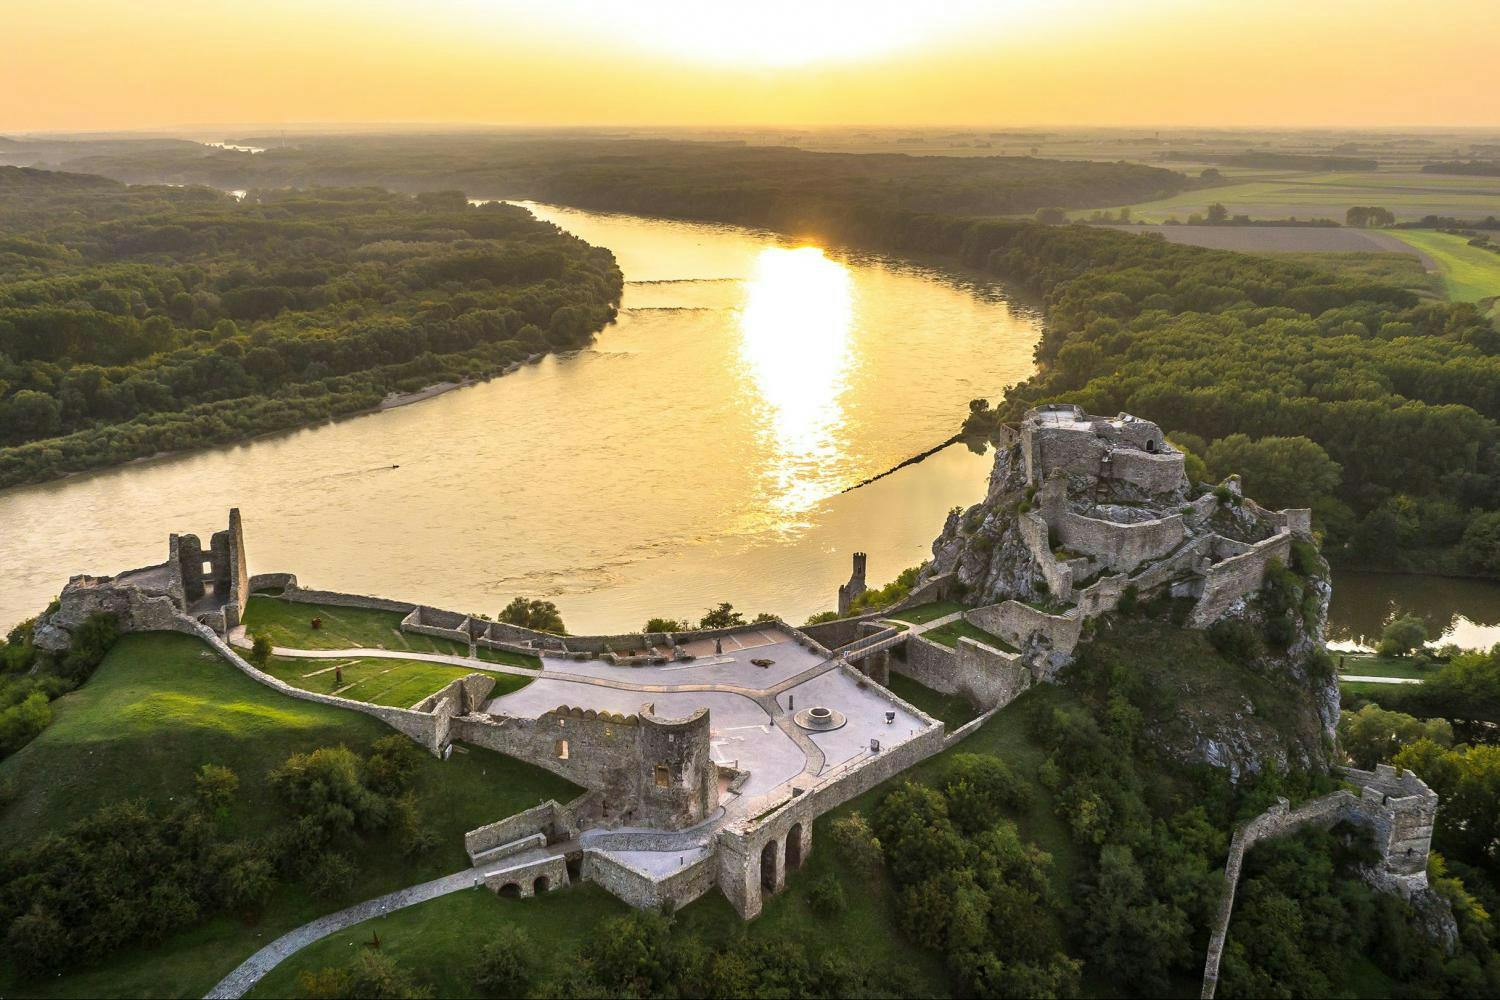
(1226, 582)
(645, 891)
(553, 821)
(987, 676)
(438, 623)
(1157, 474)
(338, 600)
(842, 631)
(1017, 622)
(740, 849)
(597, 752)
(1120, 547)
(420, 726)
(272, 581)
(1058, 574)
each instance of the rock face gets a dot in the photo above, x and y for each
(1088, 516)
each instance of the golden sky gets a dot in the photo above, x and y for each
(112, 64)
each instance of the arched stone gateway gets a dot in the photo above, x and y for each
(541, 885)
(510, 890)
(794, 847)
(768, 867)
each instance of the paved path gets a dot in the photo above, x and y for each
(254, 968)
(1373, 679)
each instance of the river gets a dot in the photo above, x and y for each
(696, 453)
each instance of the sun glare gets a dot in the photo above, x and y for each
(795, 343)
(776, 33)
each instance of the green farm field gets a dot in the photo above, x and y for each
(1308, 195)
(161, 705)
(1469, 274)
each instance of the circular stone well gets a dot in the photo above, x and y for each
(819, 719)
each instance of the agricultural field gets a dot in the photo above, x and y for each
(1312, 195)
(1469, 274)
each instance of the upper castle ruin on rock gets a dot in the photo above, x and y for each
(707, 755)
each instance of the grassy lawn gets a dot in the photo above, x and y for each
(158, 707)
(1379, 666)
(378, 680)
(950, 708)
(950, 633)
(924, 613)
(1469, 273)
(288, 623)
(509, 659)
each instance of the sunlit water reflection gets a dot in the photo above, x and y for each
(694, 454)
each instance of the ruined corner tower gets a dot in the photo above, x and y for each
(856, 585)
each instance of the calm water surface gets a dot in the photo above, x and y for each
(695, 454)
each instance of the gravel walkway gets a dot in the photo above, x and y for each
(253, 969)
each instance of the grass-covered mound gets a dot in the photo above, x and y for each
(158, 708)
(289, 624)
(378, 680)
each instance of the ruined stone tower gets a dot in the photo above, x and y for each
(856, 585)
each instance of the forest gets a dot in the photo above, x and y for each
(710, 180)
(138, 320)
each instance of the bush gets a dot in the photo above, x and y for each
(856, 843)
(332, 876)
(371, 975)
(508, 964)
(980, 789)
(1129, 599)
(215, 787)
(826, 896)
(260, 651)
(1235, 639)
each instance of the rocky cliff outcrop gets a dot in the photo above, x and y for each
(1092, 521)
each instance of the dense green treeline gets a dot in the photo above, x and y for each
(135, 320)
(707, 180)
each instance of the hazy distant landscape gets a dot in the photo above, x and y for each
(676, 501)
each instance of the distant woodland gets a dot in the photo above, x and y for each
(135, 320)
(712, 180)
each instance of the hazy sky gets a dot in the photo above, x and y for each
(110, 64)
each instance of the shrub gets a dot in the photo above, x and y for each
(332, 876)
(1130, 598)
(856, 843)
(260, 651)
(215, 787)
(980, 789)
(826, 896)
(508, 964)
(371, 975)
(1236, 639)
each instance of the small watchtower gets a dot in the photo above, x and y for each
(856, 585)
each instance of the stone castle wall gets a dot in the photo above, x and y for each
(1231, 580)
(1016, 622)
(1120, 547)
(554, 822)
(644, 890)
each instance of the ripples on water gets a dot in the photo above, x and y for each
(695, 454)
